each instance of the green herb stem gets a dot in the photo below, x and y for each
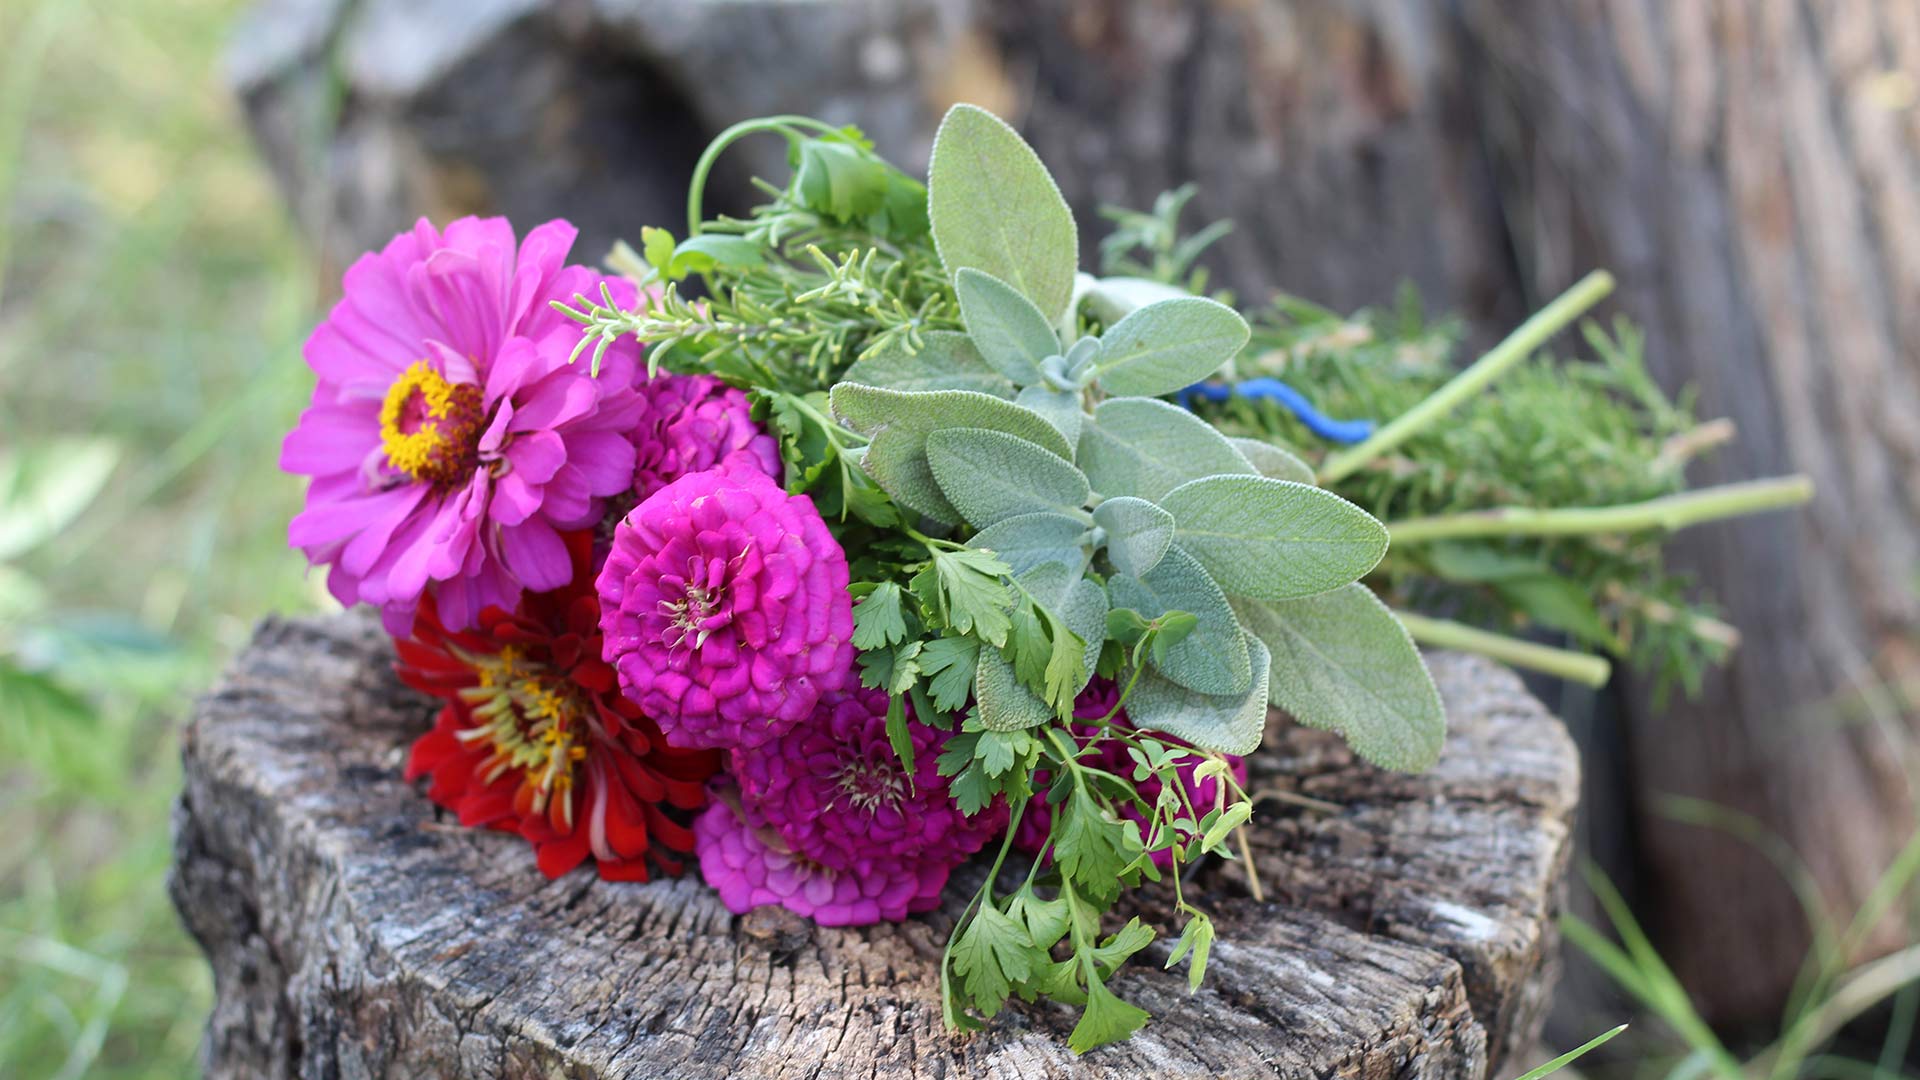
(1669, 512)
(697, 187)
(1519, 345)
(1579, 667)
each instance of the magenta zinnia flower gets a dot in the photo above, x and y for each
(725, 606)
(1096, 701)
(837, 793)
(693, 423)
(749, 867)
(449, 440)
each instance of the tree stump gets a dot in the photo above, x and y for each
(356, 931)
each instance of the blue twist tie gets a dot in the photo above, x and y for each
(1339, 431)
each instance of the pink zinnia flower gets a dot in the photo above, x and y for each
(449, 440)
(693, 423)
(837, 793)
(749, 867)
(725, 606)
(1096, 701)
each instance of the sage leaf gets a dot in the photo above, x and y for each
(1003, 702)
(1029, 540)
(1138, 533)
(1168, 346)
(994, 207)
(1272, 461)
(947, 360)
(990, 476)
(1145, 447)
(1213, 658)
(1081, 603)
(699, 254)
(1011, 334)
(897, 424)
(1343, 663)
(1111, 299)
(1272, 539)
(1227, 723)
(1060, 407)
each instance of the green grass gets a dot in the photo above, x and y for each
(152, 300)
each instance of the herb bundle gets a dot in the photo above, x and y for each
(890, 547)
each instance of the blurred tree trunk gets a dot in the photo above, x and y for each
(1751, 171)
(1749, 168)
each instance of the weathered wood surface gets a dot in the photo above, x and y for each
(354, 931)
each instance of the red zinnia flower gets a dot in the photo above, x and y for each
(536, 738)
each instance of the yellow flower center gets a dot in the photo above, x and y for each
(429, 427)
(534, 722)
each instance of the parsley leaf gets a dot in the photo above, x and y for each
(879, 621)
(948, 663)
(992, 954)
(1106, 1019)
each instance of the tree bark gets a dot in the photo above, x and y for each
(1748, 168)
(354, 931)
(1752, 171)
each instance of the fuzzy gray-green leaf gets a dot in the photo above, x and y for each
(1060, 407)
(1229, 723)
(1145, 447)
(990, 476)
(1004, 702)
(1011, 334)
(1138, 533)
(947, 360)
(1274, 462)
(1342, 662)
(898, 422)
(1168, 346)
(1213, 658)
(1271, 539)
(1031, 540)
(994, 207)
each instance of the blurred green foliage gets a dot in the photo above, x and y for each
(152, 301)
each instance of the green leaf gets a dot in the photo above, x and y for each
(972, 598)
(1010, 333)
(1213, 659)
(991, 955)
(1050, 647)
(1004, 703)
(1196, 938)
(1107, 1019)
(1138, 533)
(995, 208)
(1562, 604)
(897, 735)
(1092, 847)
(1230, 724)
(1085, 612)
(1169, 346)
(1111, 299)
(947, 360)
(990, 476)
(1272, 461)
(1121, 945)
(1145, 447)
(43, 489)
(1046, 921)
(1031, 540)
(879, 620)
(897, 423)
(840, 178)
(700, 254)
(1060, 407)
(1342, 662)
(1271, 539)
(948, 665)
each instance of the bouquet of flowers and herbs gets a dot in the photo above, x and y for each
(828, 547)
